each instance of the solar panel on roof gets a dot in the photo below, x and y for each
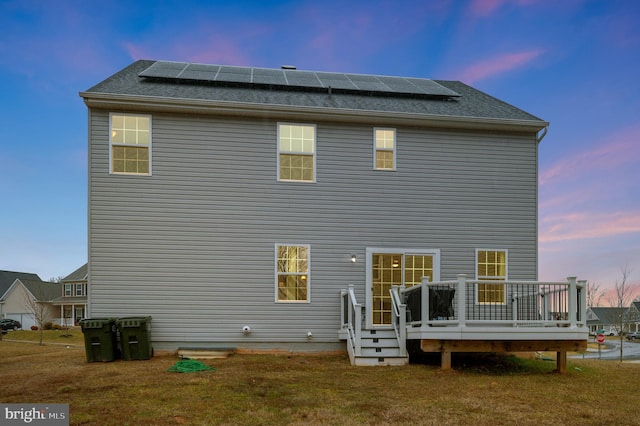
(268, 76)
(337, 84)
(431, 87)
(164, 69)
(296, 78)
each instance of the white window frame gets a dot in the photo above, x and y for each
(112, 144)
(70, 289)
(506, 274)
(315, 150)
(308, 274)
(370, 251)
(393, 150)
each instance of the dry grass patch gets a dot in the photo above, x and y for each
(263, 389)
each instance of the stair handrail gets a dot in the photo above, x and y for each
(399, 318)
(351, 313)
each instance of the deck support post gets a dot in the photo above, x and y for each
(445, 359)
(561, 362)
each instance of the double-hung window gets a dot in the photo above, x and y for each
(491, 265)
(384, 149)
(296, 152)
(130, 144)
(292, 273)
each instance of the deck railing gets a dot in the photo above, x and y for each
(466, 303)
(399, 318)
(351, 320)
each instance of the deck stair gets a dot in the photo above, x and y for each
(379, 347)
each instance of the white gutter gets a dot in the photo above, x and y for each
(153, 103)
(541, 136)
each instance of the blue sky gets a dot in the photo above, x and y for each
(574, 63)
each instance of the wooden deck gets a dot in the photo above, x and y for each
(447, 317)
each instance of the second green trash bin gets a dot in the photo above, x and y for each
(135, 337)
(100, 339)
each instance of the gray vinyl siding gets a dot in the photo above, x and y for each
(193, 245)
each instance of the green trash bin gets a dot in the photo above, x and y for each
(100, 339)
(135, 337)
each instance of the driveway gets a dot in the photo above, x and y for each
(611, 351)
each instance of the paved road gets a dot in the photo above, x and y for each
(611, 351)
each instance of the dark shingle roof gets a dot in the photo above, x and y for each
(79, 274)
(472, 104)
(606, 315)
(8, 277)
(43, 291)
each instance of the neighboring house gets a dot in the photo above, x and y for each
(73, 302)
(275, 209)
(601, 319)
(7, 278)
(609, 319)
(29, 301)
(634, 317)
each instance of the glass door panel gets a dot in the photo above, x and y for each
(389, 269)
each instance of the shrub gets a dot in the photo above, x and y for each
(56, 327)
(34, 327)
(47, 326)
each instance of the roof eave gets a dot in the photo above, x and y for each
(276, 111)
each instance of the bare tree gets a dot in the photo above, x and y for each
(594, 294)
(41, 313)
(623, 297)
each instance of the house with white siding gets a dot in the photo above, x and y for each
(288, 210)
(28, 300)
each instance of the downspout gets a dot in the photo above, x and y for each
(539, 137)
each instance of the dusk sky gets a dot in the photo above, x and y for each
(573, 63)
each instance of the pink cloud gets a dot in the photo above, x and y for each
(498, 65)
(214, 49)
(580, 226)
(484, 8)
(621, 148)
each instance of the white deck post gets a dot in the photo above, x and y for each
(573, 301)
(424, 303)
(462, 300)
(583, 301)
(357, 322)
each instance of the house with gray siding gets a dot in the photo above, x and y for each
(287, 210)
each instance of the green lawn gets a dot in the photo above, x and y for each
(270, 389)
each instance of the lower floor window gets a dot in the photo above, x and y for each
(292, 273)
(491, 265)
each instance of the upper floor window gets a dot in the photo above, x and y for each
(296, 152)
(81, 290)
(130, 143)
(384, 149)
(491, 265)
(67, 289)
(292, 273)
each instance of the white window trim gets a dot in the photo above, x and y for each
(506, 271)
(275, 268)
(376, 149)
(111, 172)
(315, 151)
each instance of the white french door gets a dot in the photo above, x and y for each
(389, 267)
